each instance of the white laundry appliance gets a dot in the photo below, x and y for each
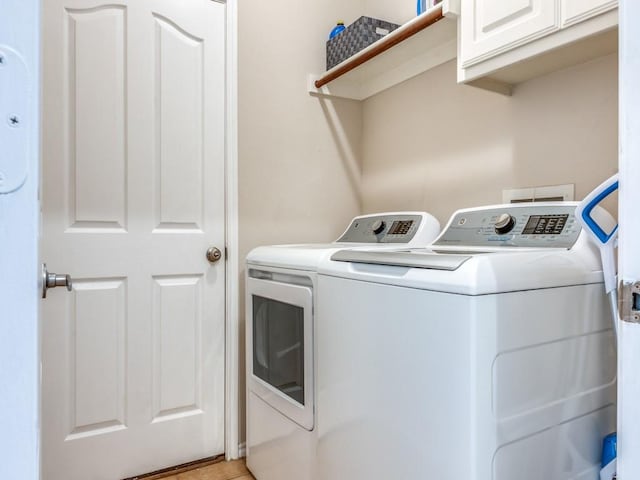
(489, 355)
(281, 297)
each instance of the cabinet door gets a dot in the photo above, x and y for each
(490, 27)
(574, 11)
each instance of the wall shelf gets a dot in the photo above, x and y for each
(419, 45)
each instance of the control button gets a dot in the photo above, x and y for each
(378, 226)
(504, 224)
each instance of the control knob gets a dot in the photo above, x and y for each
(378, 226)
(504, 224)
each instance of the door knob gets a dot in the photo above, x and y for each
(213, 254)
(53, 280)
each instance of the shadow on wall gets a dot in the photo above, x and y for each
(432, 144)
(421, 139)
(344, 142)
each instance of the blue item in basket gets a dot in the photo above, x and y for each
(336, 30)
(609, 449)
(423, 5)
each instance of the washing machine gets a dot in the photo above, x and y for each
(489, 355)
(281, 299)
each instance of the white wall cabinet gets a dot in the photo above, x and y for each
(504, 43)
(574, 11)
(489, 27)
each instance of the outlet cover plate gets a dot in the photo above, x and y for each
(539, 194)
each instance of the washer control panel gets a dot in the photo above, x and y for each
(526, 225)
(383, 228)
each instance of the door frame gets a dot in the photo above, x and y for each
(628, 466)
(19, 321)
(232, 313)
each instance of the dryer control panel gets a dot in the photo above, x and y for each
(526, 225)
(390, 228)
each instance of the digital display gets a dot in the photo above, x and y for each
(400, 227)
(545, 225)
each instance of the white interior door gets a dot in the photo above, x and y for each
(132, 197)
(629, 246)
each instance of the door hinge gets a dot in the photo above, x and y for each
(629, 301)
(226, 254)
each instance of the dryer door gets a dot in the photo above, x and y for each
(280, 347)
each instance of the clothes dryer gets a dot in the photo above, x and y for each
(487, 356)
(281, 298)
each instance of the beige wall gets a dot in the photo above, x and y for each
(431, 144)
(299, 171)
(298, 155)
(395, 11)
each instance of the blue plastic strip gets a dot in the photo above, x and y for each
(609, 449)
(591, 223)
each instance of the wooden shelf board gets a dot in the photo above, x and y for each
(417, 46)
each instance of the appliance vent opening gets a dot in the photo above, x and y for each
(552, 193)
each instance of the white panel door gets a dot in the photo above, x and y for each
(132, 197)
(629, 246)
(491, 27)
(574, 11)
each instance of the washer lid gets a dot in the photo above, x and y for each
(418, 258)
(472, 273)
